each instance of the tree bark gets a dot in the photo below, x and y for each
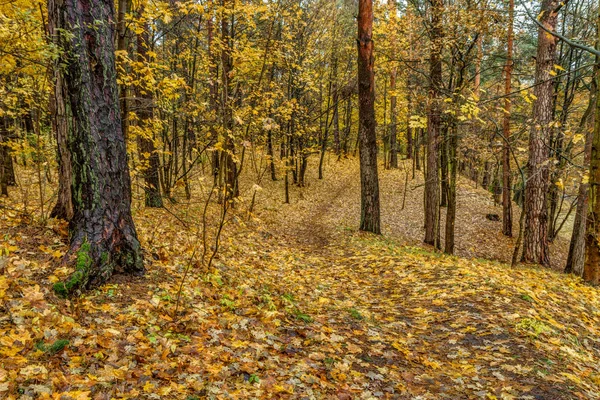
(369, 180)
(103, 235)
(535, 244)
(432, 200)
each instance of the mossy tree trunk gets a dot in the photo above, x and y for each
(103, 235)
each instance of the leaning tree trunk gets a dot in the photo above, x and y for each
(432, 200)
(144, 99)
(369, 181)
(103, 235)
(535, 244)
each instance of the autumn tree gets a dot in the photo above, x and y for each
(103, 235)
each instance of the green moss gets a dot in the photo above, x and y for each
(57, 346)
(104, 257)
(60, 289)
(54, 348)
(79, 278)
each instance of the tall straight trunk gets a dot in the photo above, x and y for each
(506, 178)
(591, 267)
(432, 200)
(103, 235)
(535, 244)
(61, 125)
(369, 180)
(145, 104)
(227, 162)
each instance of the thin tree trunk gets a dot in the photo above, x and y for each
(370, 217)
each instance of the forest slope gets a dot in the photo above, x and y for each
(298, 305)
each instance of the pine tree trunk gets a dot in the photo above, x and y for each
(103, 235)
(535, 244)
(432, 199)
(370, 218)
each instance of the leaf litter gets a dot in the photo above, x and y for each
(297, 305)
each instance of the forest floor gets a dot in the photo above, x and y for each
(298, 304)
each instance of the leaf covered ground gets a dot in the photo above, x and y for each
(297, 305)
